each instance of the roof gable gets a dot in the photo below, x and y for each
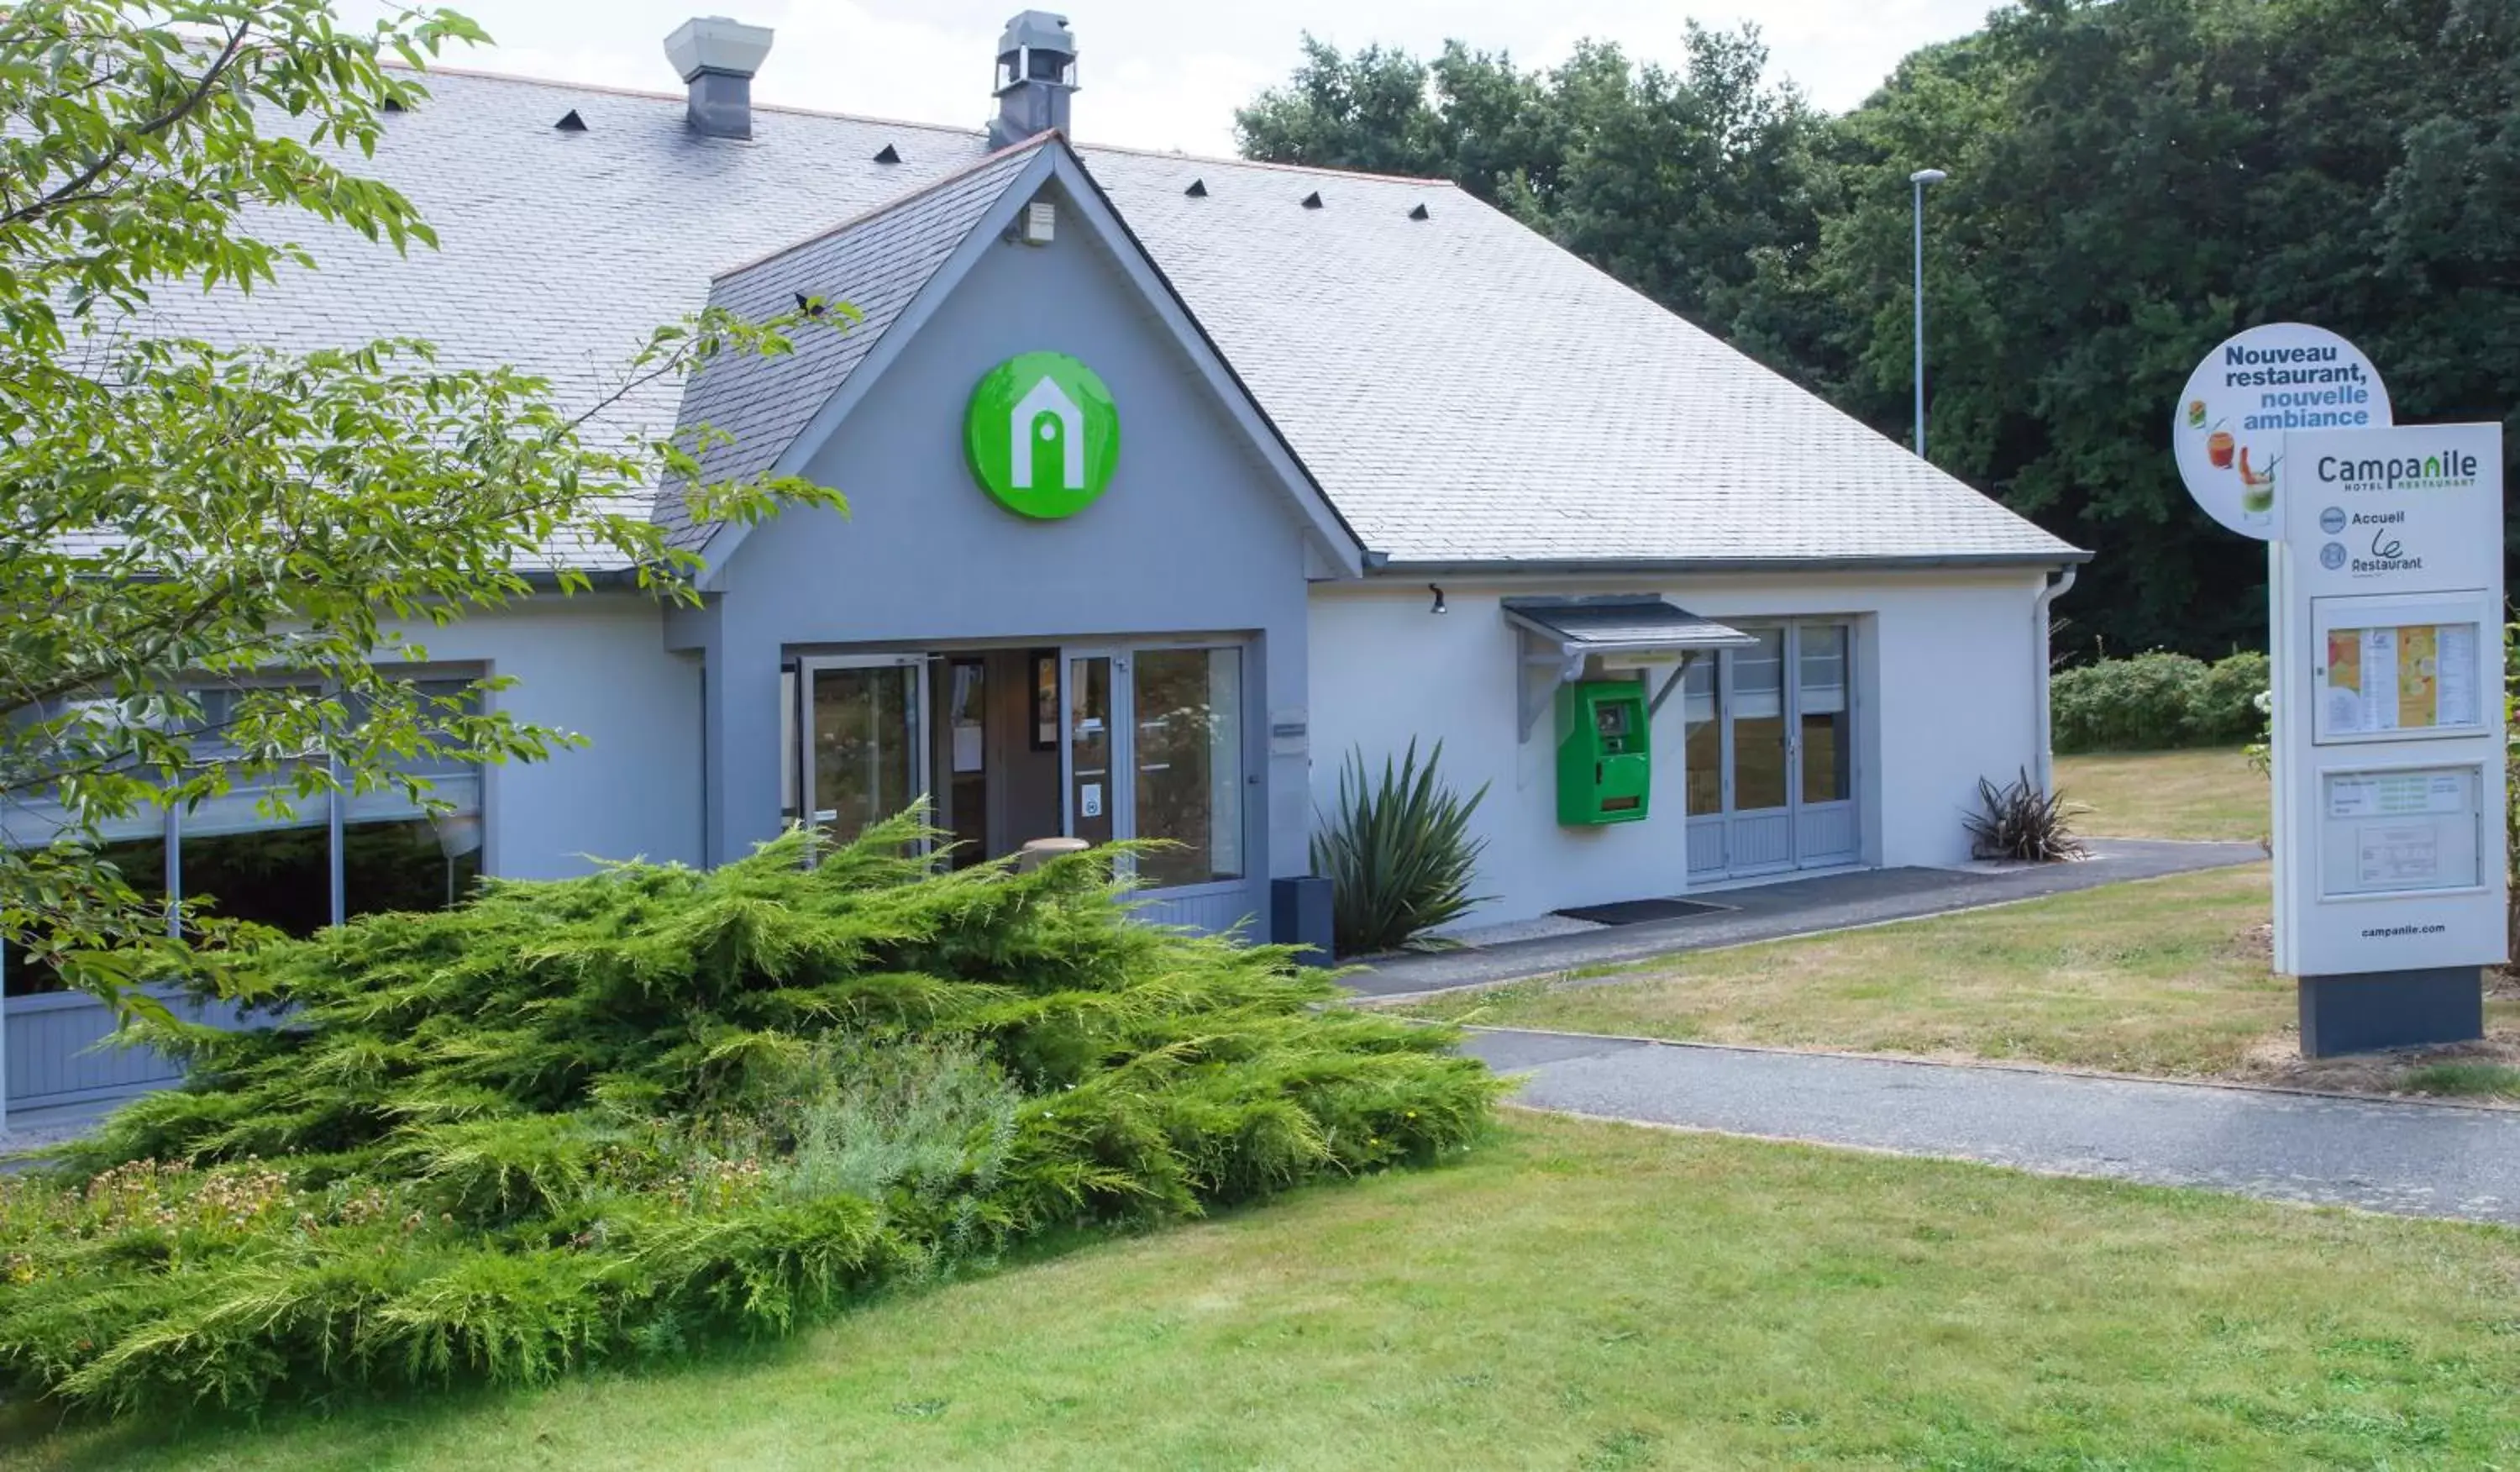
(779, 410)
(879, 265)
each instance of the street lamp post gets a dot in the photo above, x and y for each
(1919, 179)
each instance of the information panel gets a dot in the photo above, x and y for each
(2388, 680)
(2396, 668)
(2390, 831)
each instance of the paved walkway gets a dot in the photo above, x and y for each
(2428, 1159)
(1797, 907)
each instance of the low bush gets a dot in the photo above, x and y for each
(605, 1119)
(2158, 702)
(2226, 710)
(1398, 852)
(2018, 822)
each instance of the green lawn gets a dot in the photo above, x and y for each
(2169, 976)
(2163, 977)
(1578, 1296)
(2192, 795)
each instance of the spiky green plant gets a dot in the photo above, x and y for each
(608, 1118)
(1398, 852)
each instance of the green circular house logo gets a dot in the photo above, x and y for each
(1043, 434)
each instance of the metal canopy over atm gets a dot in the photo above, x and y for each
(1559, 634)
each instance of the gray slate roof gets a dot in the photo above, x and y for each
(876, 264)
(1463, 390)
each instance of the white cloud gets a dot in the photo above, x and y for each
(1168, 74)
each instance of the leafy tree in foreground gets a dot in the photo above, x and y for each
(178, 517)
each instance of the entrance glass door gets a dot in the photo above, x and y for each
(1771, 754)
(1151, 743)
(865, 749)
(1090, 718)
(1761, 817)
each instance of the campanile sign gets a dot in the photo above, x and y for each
(2385, 606)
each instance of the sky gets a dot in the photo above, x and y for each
(1167, 74)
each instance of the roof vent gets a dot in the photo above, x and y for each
(395, 105)
(1312, 201)
(1036, 78)
(1419, 212)
(571, 123)
(716, 58)
(890, 155)
(811, 306)
(1197, 189)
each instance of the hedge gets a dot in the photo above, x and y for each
(2158, 701)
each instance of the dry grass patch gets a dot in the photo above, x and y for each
(2166, 976)
(2212, 793)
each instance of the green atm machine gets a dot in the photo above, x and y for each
(1604, 757)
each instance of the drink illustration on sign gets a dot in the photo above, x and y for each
(1042, 434)
(2247, 395)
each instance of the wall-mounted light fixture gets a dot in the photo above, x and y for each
(1439, 600)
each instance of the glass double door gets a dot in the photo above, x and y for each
(1149, 744)
(1771, 754)
(1153, 749)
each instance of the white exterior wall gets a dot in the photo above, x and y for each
(1949, 681)
(597, 665)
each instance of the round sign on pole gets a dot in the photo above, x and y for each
(1043, 434)
(2229, 424)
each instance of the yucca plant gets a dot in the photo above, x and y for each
(1398, 854)
(2019, 821)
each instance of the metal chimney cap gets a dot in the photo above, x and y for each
(714, 44)
(1040, 30)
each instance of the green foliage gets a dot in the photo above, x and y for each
(1690, 186)
(2158, 702)
(2471, 1078)
(178, 518)
(2225, 709)
(2018, 822)
(607, 1118)
(2143, 703)
(1398, 852)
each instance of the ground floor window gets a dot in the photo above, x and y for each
(1189, 764)
(322, 861)
(142, 863)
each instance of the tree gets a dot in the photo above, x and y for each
(180, 519)
(2130, 183)
(1688, 185)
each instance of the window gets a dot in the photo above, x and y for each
(866, 744)
(1189, 764)
(1759, 722)
(261, 853)
(1828, 734)
(243, 863)
(142, 862)
(1704, 755)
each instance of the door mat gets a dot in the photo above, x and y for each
(1642, 911)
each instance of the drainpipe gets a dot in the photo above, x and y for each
(2058, 585)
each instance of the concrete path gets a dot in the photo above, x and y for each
(2426, 1159)
(1797, 907)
